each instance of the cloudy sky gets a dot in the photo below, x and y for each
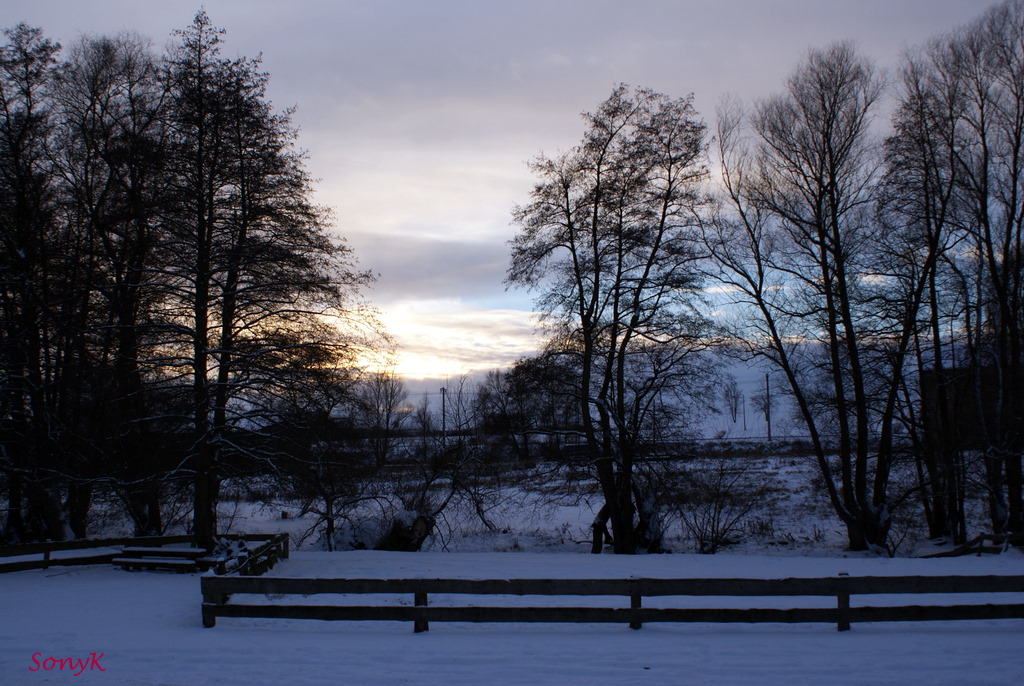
(419, 116)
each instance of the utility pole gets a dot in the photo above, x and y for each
(768, 404)
(444, 417)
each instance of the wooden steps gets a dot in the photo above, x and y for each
(176, 564)
(181, 560)
(186, 553)
(253, 555)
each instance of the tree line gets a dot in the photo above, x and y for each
(169, 292)
(877, 269)
(175, 311)
(177, 317)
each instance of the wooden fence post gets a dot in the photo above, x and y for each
(843, 605)
(635, 601)
(209, 613)
(420, 600)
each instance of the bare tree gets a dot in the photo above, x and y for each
(833, 301)
(319, 462)
(163, 272)
(111, 147)
(955, 185)
(988, 58)
(608, 240)
(383, 405)
(713, 498)
(29, 283)
(732, 397)
(256, 287)
(532, 406)
(920, 203)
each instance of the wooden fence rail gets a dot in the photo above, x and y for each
(217, 592)
(268, 547)
(46, 550)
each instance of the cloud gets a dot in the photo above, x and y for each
(415, 267)
(419, 116)
(449, 337)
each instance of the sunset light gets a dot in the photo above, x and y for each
(443, 338)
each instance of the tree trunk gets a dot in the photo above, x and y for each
(207, 490)
(79, 500)
(618, 507)
(600, 531)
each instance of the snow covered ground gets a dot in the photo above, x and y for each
(145, 628)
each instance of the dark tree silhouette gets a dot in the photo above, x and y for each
(254, 277)
(608, 241)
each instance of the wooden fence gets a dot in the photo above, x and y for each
(218, 590)
(45, 551)
(269, 549)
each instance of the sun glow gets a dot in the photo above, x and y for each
(441, 338)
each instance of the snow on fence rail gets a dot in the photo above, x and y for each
(218, 590)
